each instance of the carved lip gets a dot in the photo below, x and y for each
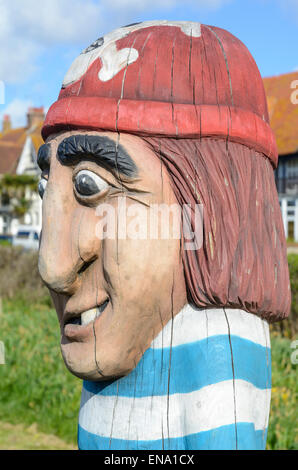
(74, 319)
(78, 332)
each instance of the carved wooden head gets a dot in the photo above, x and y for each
(157, 114)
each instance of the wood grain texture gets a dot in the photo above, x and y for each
(212, 392)
(180, 356)
(178, 84)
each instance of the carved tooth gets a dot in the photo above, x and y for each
(92, 314)
(88, 316)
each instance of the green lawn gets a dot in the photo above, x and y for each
(282, 432)
(35, 386)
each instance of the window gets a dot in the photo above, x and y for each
(23, 235)
(292, 168)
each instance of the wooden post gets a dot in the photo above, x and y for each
(155, 325)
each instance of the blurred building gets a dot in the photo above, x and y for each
(282, 96)
(18, 150)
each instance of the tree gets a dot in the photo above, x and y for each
(16, 191)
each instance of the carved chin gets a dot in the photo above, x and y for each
(79, 358)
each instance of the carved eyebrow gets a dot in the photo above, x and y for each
(44, 157)
(100, 149)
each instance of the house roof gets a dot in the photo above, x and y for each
(12, 143)
(283, 112)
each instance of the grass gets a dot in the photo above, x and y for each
(36, 387)
(20, 437)
(282, 430)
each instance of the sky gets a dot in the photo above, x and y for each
(40, 39)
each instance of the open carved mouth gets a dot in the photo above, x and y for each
(88, 316)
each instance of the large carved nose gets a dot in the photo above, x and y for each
(58, 261)
(56, 270)
(62, 252)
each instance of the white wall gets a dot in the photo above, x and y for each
(289, 214)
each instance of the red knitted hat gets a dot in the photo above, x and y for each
(166, 78)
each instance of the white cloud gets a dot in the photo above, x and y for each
(18, 60)
(28, 27)
(50, 21)
(17, 110)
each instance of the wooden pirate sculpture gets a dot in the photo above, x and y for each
(169, 333)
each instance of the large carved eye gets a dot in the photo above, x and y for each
(42, 187)
(88, 183)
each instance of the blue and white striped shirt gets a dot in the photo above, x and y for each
(204, 383)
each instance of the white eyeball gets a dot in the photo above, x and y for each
(42, 187)
(88, 183)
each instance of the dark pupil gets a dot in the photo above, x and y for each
(86, 185)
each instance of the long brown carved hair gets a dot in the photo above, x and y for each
(242, 262)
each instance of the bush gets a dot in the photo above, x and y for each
(19, 276)
(5, 242)
(289, 327)
(293, 267)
